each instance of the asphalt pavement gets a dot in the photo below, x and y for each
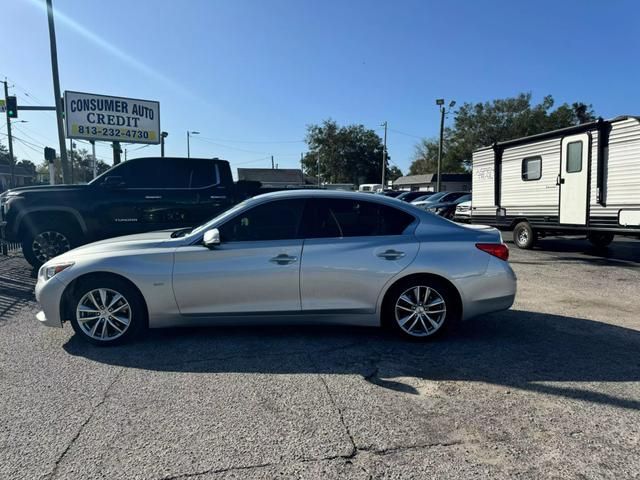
(548, 389)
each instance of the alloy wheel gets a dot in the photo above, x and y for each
(49, 244)
(420, 311)
(103, 314)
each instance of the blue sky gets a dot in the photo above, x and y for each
(251, 74)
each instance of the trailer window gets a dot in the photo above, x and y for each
(531, 169)
(574, 157)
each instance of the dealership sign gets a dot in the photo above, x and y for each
(112, 119)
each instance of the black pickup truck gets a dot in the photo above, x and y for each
(136, 196)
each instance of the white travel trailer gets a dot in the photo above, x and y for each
(577, 180)
(370, 187)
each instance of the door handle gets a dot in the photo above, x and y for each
(391, 255)
(153, 197)
(559, 180)
(283, 259)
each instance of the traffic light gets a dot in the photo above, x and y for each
(49, 154)
(12, 107)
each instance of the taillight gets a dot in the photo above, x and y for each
(499, 250)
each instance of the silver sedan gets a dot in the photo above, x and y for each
(316, 256)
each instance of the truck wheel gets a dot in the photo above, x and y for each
(600, 239)
(524, 236)
(45, 241)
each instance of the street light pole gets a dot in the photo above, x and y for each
(163, 135)
(384, 154)
(443, 112)
(188, 146)
(56, 93)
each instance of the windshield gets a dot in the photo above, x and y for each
(435, 197)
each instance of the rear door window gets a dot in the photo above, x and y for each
(354, 218)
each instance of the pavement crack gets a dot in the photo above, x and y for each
(403, 448)
(354, 448)
(105, 394)
(216, 471)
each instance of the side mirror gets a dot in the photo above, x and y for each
(113, 182)
(211, 238)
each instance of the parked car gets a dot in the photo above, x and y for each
(136, 196)
(391, 193)
(446, 207)
(439, 197)
(367, 260)
(423, 197)
(463, 212)
(410, 196)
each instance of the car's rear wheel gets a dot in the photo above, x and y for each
(524, 236)
(422, 308)
(107, 310)
(46, 242)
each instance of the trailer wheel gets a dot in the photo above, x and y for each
(600, 239)
(524, 236)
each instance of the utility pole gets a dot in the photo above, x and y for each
(116, 153)
(272, 167)
(93, 154)
(71, 157)
(384, 154)
(56, 92)
(9, 137)
(443, 112)
(318, 162)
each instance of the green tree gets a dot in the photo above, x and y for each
(482, 124)
(82, 162)
(393, 173)
(349, 154)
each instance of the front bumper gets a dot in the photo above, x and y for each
(49, 296)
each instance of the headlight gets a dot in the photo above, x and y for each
(50, 271)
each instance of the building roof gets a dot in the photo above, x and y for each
(18, 170)
(432, 178)
(282, 176)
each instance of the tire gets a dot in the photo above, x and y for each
(441, 301)
(600, 239)
(524, 236)
(93, 297)
(47, 240)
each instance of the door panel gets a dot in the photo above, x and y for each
(349, 273)
(573, 179)
(238, 277)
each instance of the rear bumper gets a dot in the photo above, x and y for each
(492, 292)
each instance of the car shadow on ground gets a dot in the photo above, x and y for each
(517, 349)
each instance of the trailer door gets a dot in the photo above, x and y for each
(573, 179)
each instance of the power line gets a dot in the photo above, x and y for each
(406, 134)
(252, 141)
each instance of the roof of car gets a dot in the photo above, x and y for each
(318, 193)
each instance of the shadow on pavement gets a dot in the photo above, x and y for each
(623, 251)
(517, 349)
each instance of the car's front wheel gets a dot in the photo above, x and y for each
(47, 241)
(107, 310)
(422, 308)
